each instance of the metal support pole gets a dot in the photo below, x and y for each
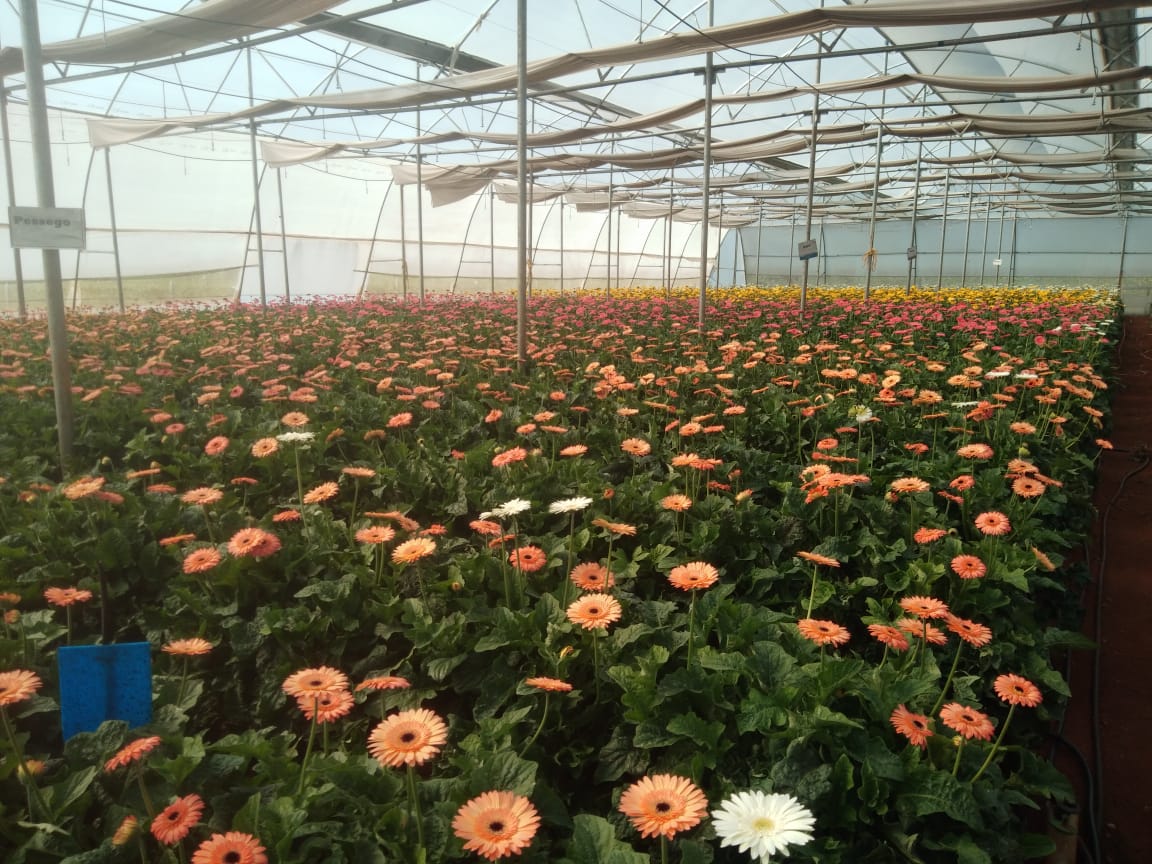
(671, 199)
(372, 242)
(1000, 241)
(944, 223)
(811, 175)
(492, 236)
(17, 260)
(1123, 253)
(419, 199)
(46, 197)
(608, 268)
(967, 237)
(403, 245)
(915, 213)
(522, 181)
(791, 246)
(1012, 245)
(283, 235)
(561, 244)
(115, 236)
(256, 186)
(706, 187)
(759, 235)
(984, 252)
(870, 260)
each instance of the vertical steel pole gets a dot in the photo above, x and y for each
(17, 260)
(671, 199)
(811, 172)
(608, 269)
(759, 235)
(791, 247)
(1000, 241)
(403, 245)
(256, 185)
(283, 234)
(872, 220)
(944, 221)
(419, 198)
(967, 236)
(987, 225)
(706, 187)
(1123, 253)
(492, 236)
(915, 213)
(115, 236)
(522, 183)
(46, 197)
(561, 244)
(1012, 246)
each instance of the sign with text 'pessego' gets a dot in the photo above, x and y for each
(46, 227)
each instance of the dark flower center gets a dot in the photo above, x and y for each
(663, 807)
(496, 827)
(173, 816)
(593, 610)
(408, 737)
(231, 857)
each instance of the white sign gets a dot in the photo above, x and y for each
(46, 227)
(996, 262)
(807, 249)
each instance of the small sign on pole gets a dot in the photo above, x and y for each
(46, 227)
(807, 249)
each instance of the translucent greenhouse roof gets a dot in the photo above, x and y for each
(1044, 104)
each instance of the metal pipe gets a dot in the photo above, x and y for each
(1123, 253)
(759, 236)
(706, 187)
(870, 255)
(283, 235)
(256, 186)
(608, 270)
(791, 246)
(967, 238)
(115, 235)
(811, 173)
(83, 203)
(1000, 241)
(561, 244)
(492, 236)
(403, 245)
(464, 243)
(419, 200)
(46, 197)
(668, 230)
(17, 260)
(984, 253)
(372, 242)
(915, 212)
(944, 222)
(522, 182)
(1012, 246)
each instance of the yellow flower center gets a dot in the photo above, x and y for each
(765, 824)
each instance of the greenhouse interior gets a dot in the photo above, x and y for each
(575, 431)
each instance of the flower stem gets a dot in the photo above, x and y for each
(956, 764)
(308, 749)
(691, 628)
(300, 485)
(22, 769)
(596, 663)
(68, 619)
(812, 593)
(996, 745)
(414, 813)
(948, 681)
(539, 727)
(183, 681)
(663, 849)
(151, 810)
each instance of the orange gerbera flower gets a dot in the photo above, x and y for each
(188, 647)
(677, 503)
(216, 446)
(817, 558)
(934, 635)
(528, 559)
(358, 472)
(1017, 691)
(253, 543)
(66, 596)
(295, 419)
(411, 551)
(915, 727)
(384, 682)
(327, 707)
(909, 485)
(285, 516)
(924, 607)
(234, 847)
(928, 535)
(82, 488)
(595, 611)
(993, 523)
(486, 527)
(967, 721)
(315, 682)
(890, 636)
(574, 450)
(1028, 487)
(553, 685)
(132, 752)
(323, 492)
(18, 685)
(635, 446)
(968, 567)
(201, 560)
(697, 574)
(822, 632)
(407, 738)
(508, 457)
(963, 482)
(592, 576)
(126, 831)
(975, 451)
(1044, 560)
(496, 824)
(265, 447)
(617, 528)
(976, 635)
(173, 823)
(203, 495)
(663, 805)
(375, 534)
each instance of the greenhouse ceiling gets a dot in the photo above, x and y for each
(1039, 106)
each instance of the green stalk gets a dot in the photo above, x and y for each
(663, 849)
(300, 485)
(68, 619)
(308, 749)
(812, 593)
(539, 727)
(948, 681)
(414, 808)
(22, 768)
(995, 746)
(148, 807)
(691, 628)
(956, 764)
(183, 681)
(596, 664)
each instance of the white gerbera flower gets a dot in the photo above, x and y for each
(763, 824)
(1027, 376)
(965, 404)
(295, 437)
(997, 373)
(512, 508)
(569, 505)
(860, 413)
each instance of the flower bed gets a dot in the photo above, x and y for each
(794, 584)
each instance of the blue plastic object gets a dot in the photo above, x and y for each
(104, 682)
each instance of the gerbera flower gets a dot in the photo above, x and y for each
(924, 607)
(315, 682)
(912, 627)
(384, 682)
(993, 523)
(976, 635)
(817, 558)
(553, 685)
(968, 567)
(265, 447)
(18, 685)
(697, 574)
(203, 495)
(296, 437)
(509, 508)
(375, 534)
(1017, 691)
(486, 527)
(617, 528)
(407, 738)
(967, 721)
(822, 632)
(890, 636)
(173, 823)
(592, 576)
(82, 488)
(285, 516)
(528, 559)
(574, 450)
(1028, 487)
(328, 707)
(234, 847)
(928, 535)
(569, 505)
(902, 485)
(496, 824)
(676, 503)
(411, 551)
(635, 447)
(187, 647)
(963, 482)
(762, 823)
(126, 831)
(201, 560)
(915, 727)
(663, 805)
(594, 611)
(295, 419)
(323, 492)
(253, 543)
(216, 446)
(975, 451)
(66, 596)
(508, 457)
(358, 472)
(132, 752)
(1044, 560)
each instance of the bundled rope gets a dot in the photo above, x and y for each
(870, 258)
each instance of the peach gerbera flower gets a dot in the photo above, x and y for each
(817, 558)
(508, 457)
(407, 738)
(18, 685)
(315, 681)
(327, 707)
(411, 551)
(676, 503)
(132, 752)
(553, 685)
(295, 419)
(822, 632)
(234, 847)
(173, 823)
(924, 607)
(201, 560)
(496, 824)
(187, 647)
(323, 492)
(635, 447)
(592, 576)
(976, 635)
(203, 495)
(993, 523)
(904, 485)
(384, 682)
(595, 611)
(889, 636)
(968, 567)
(617, 528)
(66, 596)
(697, 574)
(265, 447)
(375, 534)
(253, 543)
(1017, 691)
(915, 727)
(663, 805)
(967, 721)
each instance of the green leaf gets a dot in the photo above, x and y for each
(594, 842)
(940, 792)
(438, 668)
(504, 770)
(62, 795)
